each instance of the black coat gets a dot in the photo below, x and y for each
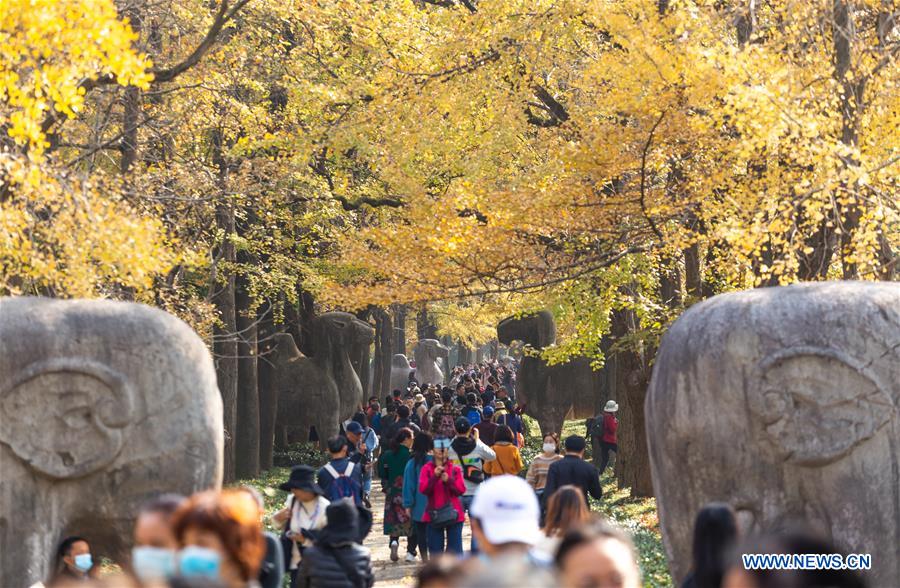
(395, 427)
(575, 471)
(348, 566)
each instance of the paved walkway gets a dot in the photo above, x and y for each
(390, 574)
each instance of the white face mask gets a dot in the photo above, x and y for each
(549, 447)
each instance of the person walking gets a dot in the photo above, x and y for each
(505, 516)
(715, 534)
(487, 428)
(338, 559)
(340, 477)
(470, 454)
(597, 554)
(508, 461)
(221, 538)
(363, 443)
(572, 469)
(471, 410)
(566, 510)
(608, 439)
(302, 516)
(414, 501)
(442, 482)
(443, 419)
(537, 471)
(391, 467)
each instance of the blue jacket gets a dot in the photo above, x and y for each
(412, 498)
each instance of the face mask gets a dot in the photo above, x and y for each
(153, 563)
(549, 448)
(84, 562)
(194, 562)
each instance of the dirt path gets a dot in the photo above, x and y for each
(390, 574)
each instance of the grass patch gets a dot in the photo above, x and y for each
(636, 515)
(267, 482)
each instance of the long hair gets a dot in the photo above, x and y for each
(402, 435)
(566, 510)
(715, 531)
(422, 444)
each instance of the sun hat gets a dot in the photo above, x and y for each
(420, 398)
(507, 510)
(303, 477)
(611, 406)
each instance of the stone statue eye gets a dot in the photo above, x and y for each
(816, 405)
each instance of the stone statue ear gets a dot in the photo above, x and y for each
(66, 417)
(817, 404)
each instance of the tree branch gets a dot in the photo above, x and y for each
(644, 175)
(223, 15)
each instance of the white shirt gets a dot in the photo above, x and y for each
(305, 515)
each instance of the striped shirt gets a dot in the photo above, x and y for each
(537, 472)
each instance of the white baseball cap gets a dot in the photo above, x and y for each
(508, 510)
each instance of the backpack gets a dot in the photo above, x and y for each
(343, 485)
(446, 426)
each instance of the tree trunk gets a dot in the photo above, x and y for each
(631, 386)
(131, 111)
(383, 354)
(224, 343)
(246, 450)
(363, 357)
(425, 327)
(693, 277)
(268, 396)
(399, 345)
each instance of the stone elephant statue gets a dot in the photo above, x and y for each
(551, 394)
(103, 405)
(428, 354)
(323, 390)
(400, 370)
(794, 392)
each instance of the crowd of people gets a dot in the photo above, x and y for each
(445, 457)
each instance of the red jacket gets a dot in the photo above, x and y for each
(439, 492)
(610, 426)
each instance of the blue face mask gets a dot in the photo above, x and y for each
(199, 562)
(153, 563)
(84, 562)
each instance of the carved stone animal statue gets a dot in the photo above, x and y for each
(428, 354)
(783, 402)
(551, 394)
(400, 370)
(323, 390)
(103, 405)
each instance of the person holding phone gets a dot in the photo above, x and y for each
(442, 482)
(303, 514)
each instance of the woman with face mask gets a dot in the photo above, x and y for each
(220, 538)
(73, 562)
(155, 545)
(537, 472)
